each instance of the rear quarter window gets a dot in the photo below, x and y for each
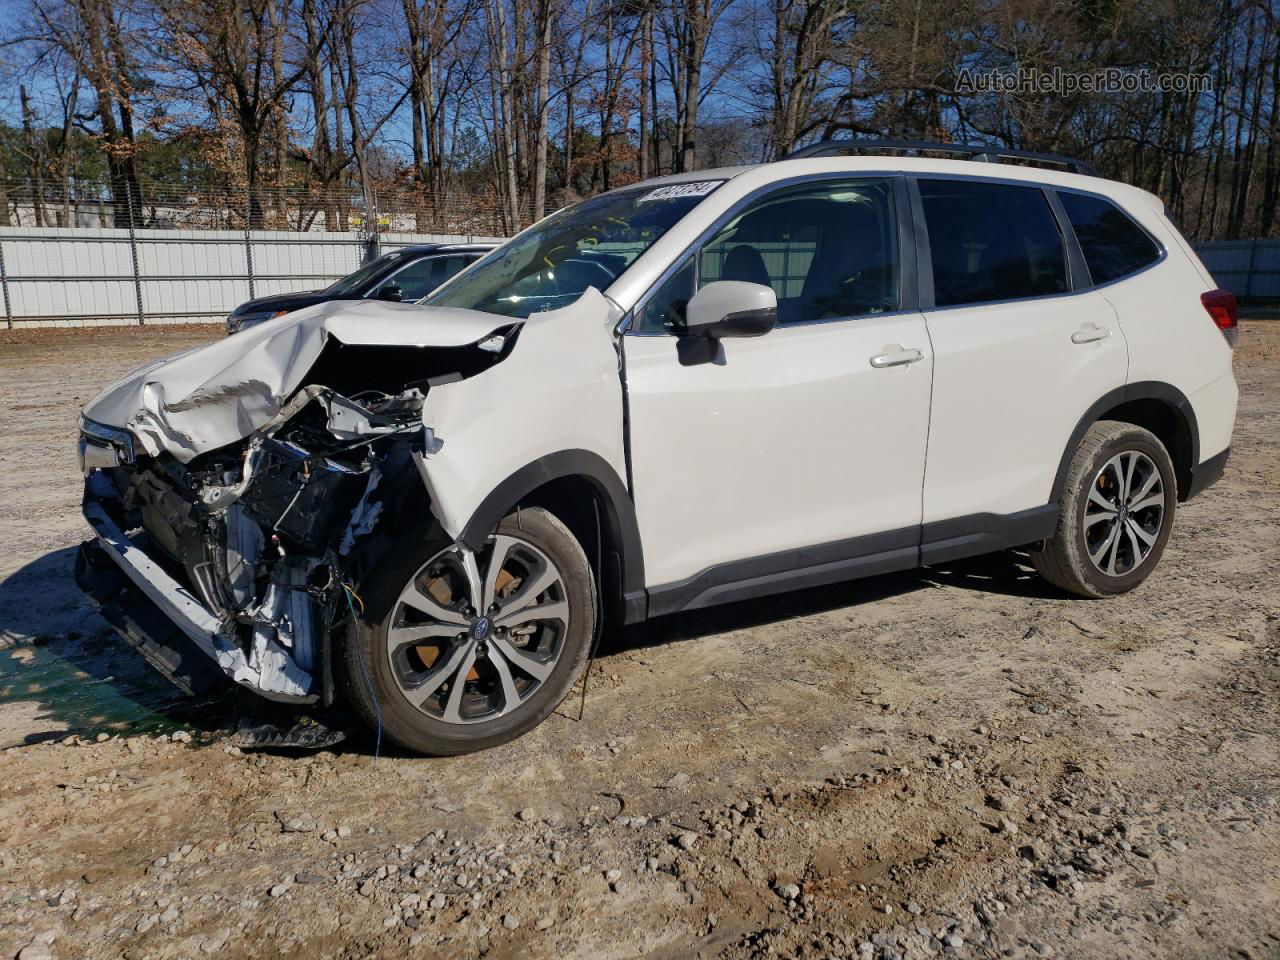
(1113, 245)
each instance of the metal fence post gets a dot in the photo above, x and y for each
(4, 282)
(133, 247)
(373, 230)
(248, 240)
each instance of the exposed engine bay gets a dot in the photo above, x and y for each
(241, 493)
(263, 532)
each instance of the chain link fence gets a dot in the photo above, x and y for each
(143, 205)
(75, 256)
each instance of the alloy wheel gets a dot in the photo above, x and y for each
(1124, 513)
(475, 634)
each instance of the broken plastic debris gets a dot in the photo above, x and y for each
(307, 733)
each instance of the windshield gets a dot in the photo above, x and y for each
(354, 281)
(587, 245)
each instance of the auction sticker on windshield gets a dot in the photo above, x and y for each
(698, 189)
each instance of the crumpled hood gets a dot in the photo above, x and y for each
(202, 399)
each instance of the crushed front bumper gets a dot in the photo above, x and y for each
(167, 624)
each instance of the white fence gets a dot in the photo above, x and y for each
(1248, 268)
(87, 276)
(84, 276)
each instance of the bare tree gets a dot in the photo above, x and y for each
(440, 61)
(517, 102)
(228, 48)
(798, 48)
(542, 56)
(95, 36)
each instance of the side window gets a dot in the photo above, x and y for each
(444, 268)
(829, 250)
(664, 311)
(1113, 245)
(991, 241)
(414, 280)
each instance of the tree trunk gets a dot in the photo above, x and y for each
(35, 157)
(120, 85)
(606, 113)
(413, 19)
(359, 142)
(5, 219)
(321, 160)
(646, 57)
(279, 122)
(540, 139)
(506, 120)
(1271, 169)
(695, 51)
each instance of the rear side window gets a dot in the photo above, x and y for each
(1113, 245)
(991, 241)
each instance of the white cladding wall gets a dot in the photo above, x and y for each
(85, 276)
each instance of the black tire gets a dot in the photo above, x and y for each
(369, 675)
(1064, 560)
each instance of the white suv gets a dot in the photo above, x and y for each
(680, 393)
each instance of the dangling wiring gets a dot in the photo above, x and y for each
(352, 599)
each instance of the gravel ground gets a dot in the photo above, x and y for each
(957, 762)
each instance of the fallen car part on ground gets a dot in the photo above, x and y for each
(307, 733)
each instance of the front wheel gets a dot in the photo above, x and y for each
(1115, 513)
(458, 651)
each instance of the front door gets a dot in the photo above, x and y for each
(797, 450)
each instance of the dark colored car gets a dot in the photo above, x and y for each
(407, 274)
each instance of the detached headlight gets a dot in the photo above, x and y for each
(243, 321)
(103, 446)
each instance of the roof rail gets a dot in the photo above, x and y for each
(974, 151)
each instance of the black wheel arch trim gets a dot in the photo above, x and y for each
(1141, 390)
(619, 515)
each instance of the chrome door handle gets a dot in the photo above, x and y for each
(896, 356)
(1090, 333)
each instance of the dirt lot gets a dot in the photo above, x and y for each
(959, 761)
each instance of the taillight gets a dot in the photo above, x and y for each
(1221, 307)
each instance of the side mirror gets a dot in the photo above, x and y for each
(731, 308)
(391, 292)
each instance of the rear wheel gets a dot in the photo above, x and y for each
(459, 651)
(1115, 513)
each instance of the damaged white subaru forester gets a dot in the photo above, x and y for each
(680, 393)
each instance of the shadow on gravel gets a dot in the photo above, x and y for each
(1007, 574)
(64, 671)
(746, 614)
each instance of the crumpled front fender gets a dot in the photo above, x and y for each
(558, 390)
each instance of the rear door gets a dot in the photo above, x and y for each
(1022, 349)
(791, 450)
